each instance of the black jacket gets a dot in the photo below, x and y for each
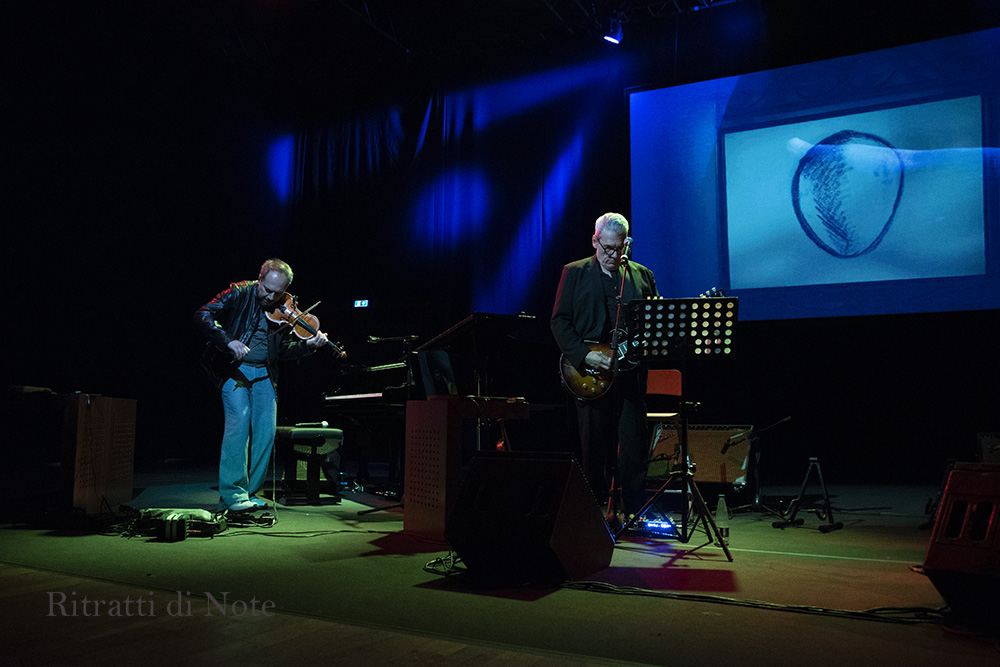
(579, 314)
(230, 316)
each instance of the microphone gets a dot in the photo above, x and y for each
(732, 440)
(322, 424)
(626, 248)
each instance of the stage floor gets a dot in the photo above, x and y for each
(339, 583)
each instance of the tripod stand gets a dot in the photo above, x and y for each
(756, 505)
(689, 489)
(671, 331)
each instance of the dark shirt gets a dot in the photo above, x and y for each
(257, 356)
(583, 311)
(232, 315)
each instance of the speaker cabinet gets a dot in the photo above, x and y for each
(528, 518)
(716, 458)
(989, 447)
(963, 557)
(102, 451)
(66, 453)
(434, 455)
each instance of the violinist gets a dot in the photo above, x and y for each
(244, 346)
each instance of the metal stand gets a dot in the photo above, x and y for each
(825, 513)
(379, 509)
(689, 489)
(756, 505)
(685, 318)
(410, 385)
(614, 504)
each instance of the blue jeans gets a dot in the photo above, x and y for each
(251, 413)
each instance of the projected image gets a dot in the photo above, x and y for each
(846, 210)
(832, 188)
(891, 194)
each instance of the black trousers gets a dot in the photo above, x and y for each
(613, 441)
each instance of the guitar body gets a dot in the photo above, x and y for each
(218, 364)
(592, 383)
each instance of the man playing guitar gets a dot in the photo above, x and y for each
(586, 322)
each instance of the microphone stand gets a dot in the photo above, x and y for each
(615, 501)
(407, 342)
(756, 505)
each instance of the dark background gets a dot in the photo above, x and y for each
(137, 137)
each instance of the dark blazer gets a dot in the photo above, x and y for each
(579, 314)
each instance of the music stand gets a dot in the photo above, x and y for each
(670, 331)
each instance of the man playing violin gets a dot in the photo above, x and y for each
(612, 426)
(241, 358)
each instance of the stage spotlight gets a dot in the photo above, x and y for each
(614, 33)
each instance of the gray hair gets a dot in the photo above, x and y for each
(275, 264)
(615, 223)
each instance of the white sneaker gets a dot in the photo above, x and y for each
(243, 506)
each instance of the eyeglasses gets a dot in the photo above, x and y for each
(615, 251)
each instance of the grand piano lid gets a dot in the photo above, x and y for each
(481, 329)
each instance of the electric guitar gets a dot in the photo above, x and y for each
(594, 382)
(219, 364)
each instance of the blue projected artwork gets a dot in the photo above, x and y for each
(833, 198)
(847, 209)
(843, 187)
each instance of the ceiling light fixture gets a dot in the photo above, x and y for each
(614, 32)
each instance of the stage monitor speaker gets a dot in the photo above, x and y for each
(989, 447)
(963, 557)
(528, 518)
(720, 453)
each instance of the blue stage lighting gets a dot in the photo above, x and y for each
(614, 33)
(281, 167)
(657, 527)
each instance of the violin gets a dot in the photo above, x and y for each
(302, 323)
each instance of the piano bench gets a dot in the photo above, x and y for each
(316, 449)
